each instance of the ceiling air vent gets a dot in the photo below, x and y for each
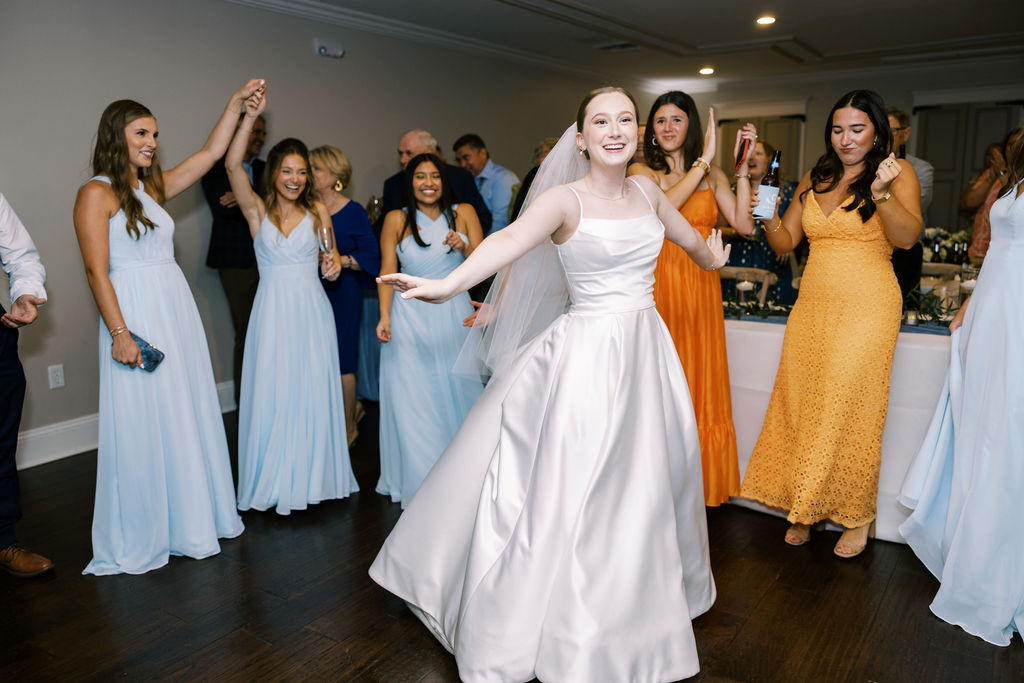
(618, 47)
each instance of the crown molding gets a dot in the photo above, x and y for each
(393, 28)
(578, 14)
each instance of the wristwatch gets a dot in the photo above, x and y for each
(883, 199)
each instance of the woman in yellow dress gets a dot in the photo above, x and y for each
(820, 449)
(690, 299)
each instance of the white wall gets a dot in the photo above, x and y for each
(62, 62)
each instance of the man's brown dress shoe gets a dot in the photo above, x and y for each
(23, 562)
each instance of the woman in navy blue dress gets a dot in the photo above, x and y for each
(360, 263)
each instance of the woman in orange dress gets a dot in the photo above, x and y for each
(820, 450)
(688, 298)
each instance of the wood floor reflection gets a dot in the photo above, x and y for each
(290, 600)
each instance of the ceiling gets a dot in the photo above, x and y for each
(663, 43)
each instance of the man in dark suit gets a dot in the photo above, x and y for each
(463, 186)
(231, 251)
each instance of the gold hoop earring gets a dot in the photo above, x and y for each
(339, 186)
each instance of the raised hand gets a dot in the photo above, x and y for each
(256, 102)
(709, 136)
(252, 86)
(719, 254)
(748, 132)
(886, 173)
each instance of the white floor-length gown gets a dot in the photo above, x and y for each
(562, 534)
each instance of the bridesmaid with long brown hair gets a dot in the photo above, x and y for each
(688, 298)
(292, 443)
(163, 480)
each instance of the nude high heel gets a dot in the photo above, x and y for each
(846, 551)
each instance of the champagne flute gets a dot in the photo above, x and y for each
(325, 242)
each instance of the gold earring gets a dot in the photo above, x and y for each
(339, 186)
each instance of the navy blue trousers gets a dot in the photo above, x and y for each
(12, 397)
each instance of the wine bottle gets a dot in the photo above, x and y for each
(768, 190)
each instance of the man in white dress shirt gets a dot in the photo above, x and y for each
(20, 260)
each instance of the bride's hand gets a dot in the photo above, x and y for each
(412, 287)
(719, 254)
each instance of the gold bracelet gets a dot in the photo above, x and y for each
(775, 229)
(118, 330)
(738, 175)
(700, 163)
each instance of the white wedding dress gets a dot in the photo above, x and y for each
(562, 533)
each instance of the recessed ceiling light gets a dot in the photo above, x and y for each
(766, 20)
(706, 71)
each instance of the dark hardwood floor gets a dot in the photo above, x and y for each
(290, 600)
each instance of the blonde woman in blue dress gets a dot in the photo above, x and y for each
(292, 441)
(422, 403)
(163, 478)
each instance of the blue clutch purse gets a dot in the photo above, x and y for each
(151, 356)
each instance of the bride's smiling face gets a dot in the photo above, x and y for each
(609, 129)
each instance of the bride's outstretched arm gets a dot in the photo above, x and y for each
(543, 217)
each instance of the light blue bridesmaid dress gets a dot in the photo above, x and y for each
(163, 478)
(422, 403)
(967, 481)
(292, 444)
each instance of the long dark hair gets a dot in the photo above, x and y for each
(829, 169)
(447, 196)
(110, 158)
(275, 159)
(1013, 151)
(693, 143)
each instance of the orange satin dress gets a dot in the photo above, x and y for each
(689, 300)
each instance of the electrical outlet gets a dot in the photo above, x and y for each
(56, 373)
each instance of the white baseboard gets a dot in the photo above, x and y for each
(71, 437)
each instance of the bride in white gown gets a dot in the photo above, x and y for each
(562, 533)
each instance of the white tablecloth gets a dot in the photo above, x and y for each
(918, 372)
